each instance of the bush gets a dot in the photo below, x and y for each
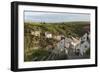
(87, 51)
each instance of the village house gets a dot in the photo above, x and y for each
(75, 42)
(73, 45)
(63, 45)
(57, 37)
(84, 44)
(48, 35)
(35, 33)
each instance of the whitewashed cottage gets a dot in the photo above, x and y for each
(75, 43)
(35, 33)
(63, 45)
(48, 35)
(84, 44)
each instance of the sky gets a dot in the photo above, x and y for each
(52, 17)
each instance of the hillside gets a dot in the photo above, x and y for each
(34, 35)
(75, 29)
